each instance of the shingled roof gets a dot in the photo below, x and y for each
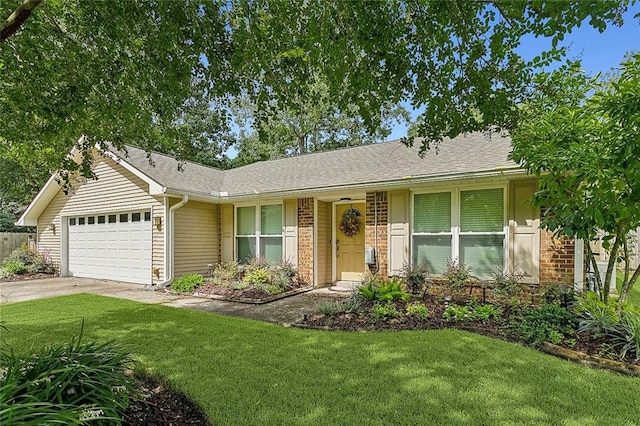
(386, 162)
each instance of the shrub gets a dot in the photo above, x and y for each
(227, 271)
(66, 384)
(457, 274)
(23, 260)
(258, 277)
(383, 311)
(596, 317)
(486, 312)
(418, 310)
(546, 323)
(626, 337)
(375, 288)
(551, 293)
(187, 283)
(331, 307)
(508, 284)
(415, 277)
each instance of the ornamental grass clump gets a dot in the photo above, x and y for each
(76, 383)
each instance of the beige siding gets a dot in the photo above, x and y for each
(115, 190)
(398, 231)
(324, 243)
(226, 224)
(195, 238)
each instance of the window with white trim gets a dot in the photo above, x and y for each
(259, 232)
(466, 225)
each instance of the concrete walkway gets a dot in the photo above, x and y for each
(284, 311)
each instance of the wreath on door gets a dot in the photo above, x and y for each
(350, 222)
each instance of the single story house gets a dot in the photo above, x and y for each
(145, 220)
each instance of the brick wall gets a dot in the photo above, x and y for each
(305, 238)
(556, 258)
(370, 228)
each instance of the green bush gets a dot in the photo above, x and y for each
(457, 313)
(596, 317)
(258, 277)
(508, 284)
(67, 384)
(457, 274)
(331, 307)
(417, 310)
(486, 312)
(472, 312)
(375, 288)
(416, 277)
(547, 323)
(187, 283)
(227, 272)
(23, 260)
(383, 311)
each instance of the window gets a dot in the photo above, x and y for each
(135, 217)
(147, 216)
(467, 225)
(72, 221)
(81, 221)
(259, 235)
(91, 220)
(124, 217)
(100, 219)
(112, 218)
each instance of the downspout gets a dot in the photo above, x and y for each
(170, 251)
(375, 231)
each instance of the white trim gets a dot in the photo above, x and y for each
(64, 246)
(165, 243)
(578, 266)
(22, 220)
(258, 226)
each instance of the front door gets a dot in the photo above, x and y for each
(349, 249)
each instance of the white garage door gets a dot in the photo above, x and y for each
(114, 246)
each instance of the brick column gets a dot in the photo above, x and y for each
(370, 227)
(557, 257)
(305, 238)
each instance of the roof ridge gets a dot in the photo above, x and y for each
(170, 157)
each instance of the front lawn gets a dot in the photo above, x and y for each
(246, 372)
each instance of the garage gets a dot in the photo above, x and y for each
(111, 246)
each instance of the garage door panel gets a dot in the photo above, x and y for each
(113, 250)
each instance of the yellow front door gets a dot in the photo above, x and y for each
(349, 250)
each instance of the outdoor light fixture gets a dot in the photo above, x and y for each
(210, 269)
(157, 221)
(533, 288)
(52, 228)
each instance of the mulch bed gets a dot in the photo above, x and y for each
(27, 277)
(359, 321)
(160, 404)
(247, 295)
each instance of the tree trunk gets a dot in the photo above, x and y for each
(17, 18)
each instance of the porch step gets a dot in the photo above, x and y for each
(344, 286)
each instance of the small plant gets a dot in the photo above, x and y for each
(455, 312)
(486, 312)
(547, 323)
(331, 307)
(23, 260)
(457, 274)
(418, 310)
(258, 277)
(66, 384)
(187, 283)
(383, 311)
(595, 316)
(508, 284)
(551, 293)
(626, 337)
(415, 277)
(391, 289)
(227, 271)
(13, 267)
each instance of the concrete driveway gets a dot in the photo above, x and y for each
(283, 312)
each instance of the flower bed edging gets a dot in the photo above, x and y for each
(253, 301)
(590, 360)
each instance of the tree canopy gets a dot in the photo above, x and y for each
(581, 137)
(124, 71)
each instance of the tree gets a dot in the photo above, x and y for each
(312, 124)
(581, 137)
(119, 71)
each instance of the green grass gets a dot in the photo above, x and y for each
(246, 372)
(634, 295)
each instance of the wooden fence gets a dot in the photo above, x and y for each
(9, 241)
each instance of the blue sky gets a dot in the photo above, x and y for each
(599, 52)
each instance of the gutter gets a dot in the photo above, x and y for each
(169, 255)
